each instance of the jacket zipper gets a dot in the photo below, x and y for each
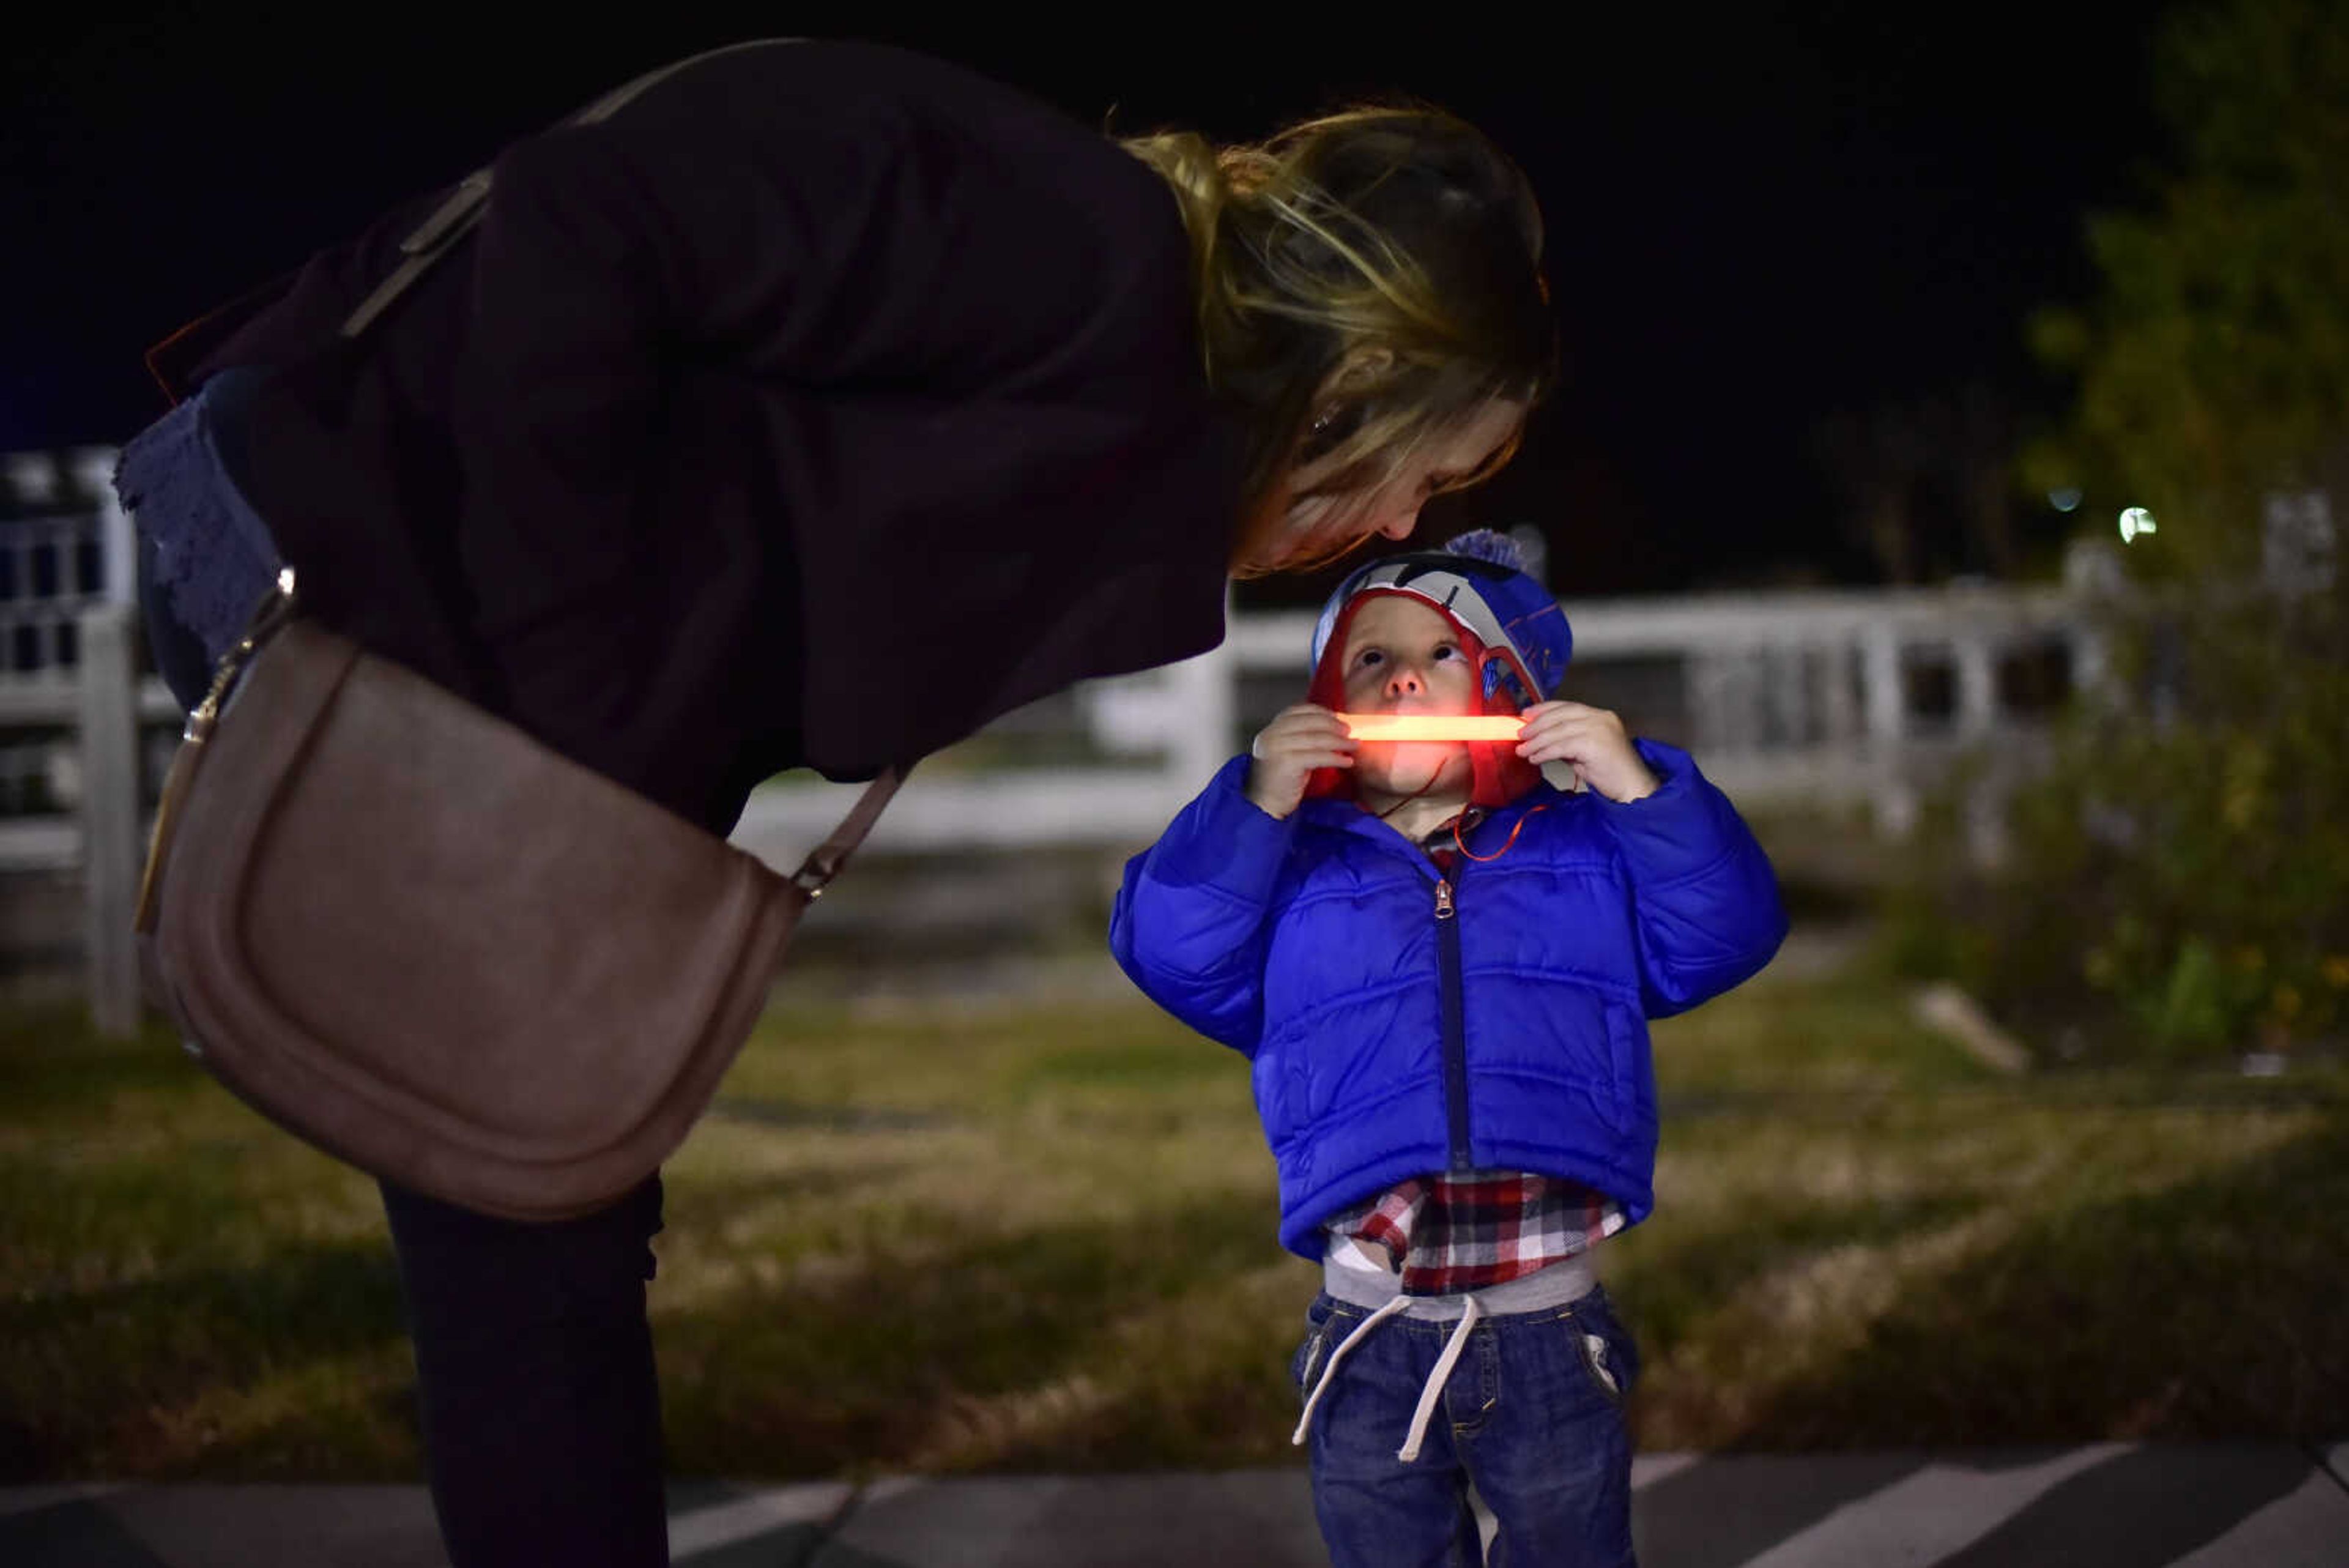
(1455, 1047)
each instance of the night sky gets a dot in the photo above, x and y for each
(1752, 222)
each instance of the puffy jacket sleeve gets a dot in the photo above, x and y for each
(1705, 899)
(1192, 917)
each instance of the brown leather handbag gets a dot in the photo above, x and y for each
(422, 941)
(416, 938)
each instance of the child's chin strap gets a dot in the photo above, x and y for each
(1414, 794)
(1428, 1394)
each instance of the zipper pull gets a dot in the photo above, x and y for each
(1443, 899)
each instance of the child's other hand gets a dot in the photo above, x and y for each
(1287, 750)
(1592, 741)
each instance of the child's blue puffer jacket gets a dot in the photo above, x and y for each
(1400, 1024)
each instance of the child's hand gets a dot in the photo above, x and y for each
(1591, 741)
(1287, 750)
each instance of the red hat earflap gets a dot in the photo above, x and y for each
(1328, 689)
(1500, 775)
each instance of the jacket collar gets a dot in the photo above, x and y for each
(1345, 816)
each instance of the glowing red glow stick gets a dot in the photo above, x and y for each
(1432, 726)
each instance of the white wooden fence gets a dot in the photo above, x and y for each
(1805, 698)
(1811, 698)
(72, 705)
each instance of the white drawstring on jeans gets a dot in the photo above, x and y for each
(1428, 1395)
(1321, 1385)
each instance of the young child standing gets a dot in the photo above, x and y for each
(1441, 965)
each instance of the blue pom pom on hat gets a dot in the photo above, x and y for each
(1487, 544)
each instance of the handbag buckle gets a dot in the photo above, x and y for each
(814, 874)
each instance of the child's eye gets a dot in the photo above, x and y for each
(1368, 656)
(1446, 650)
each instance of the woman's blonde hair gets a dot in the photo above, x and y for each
(1365, 280)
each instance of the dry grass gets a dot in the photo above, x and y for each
(947, 1236)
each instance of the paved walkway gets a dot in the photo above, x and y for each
(2106, 1506)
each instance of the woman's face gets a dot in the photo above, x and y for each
(1329, 516)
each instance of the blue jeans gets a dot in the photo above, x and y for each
(1532, 1415)
(206, 556)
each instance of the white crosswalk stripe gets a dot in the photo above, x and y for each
(1646, 1469)
(1927, 1516)
(740, 1519)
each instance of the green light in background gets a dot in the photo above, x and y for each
(2135, 520)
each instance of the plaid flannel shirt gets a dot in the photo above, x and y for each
(1446, 1234)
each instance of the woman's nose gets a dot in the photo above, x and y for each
(1400, 526)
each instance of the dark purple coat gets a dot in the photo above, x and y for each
(825, 402)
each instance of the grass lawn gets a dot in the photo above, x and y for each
(1016, 1235)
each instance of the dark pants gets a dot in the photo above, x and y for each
(533, 1358)
(534, 1369)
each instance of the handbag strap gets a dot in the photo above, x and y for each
(455, 217)
(275, 608)
(826, 859)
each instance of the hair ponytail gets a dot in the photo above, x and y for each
(1193, 169)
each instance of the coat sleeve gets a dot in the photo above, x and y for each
(1192, 915)
(1705, 900)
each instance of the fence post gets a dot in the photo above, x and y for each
(110, 814)
(1201, 716)
(1885, 701)
(1788, 672)
(1731, 696)
(1841, 705)
(2094, 580)
(118, 542)
(1977, 665)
